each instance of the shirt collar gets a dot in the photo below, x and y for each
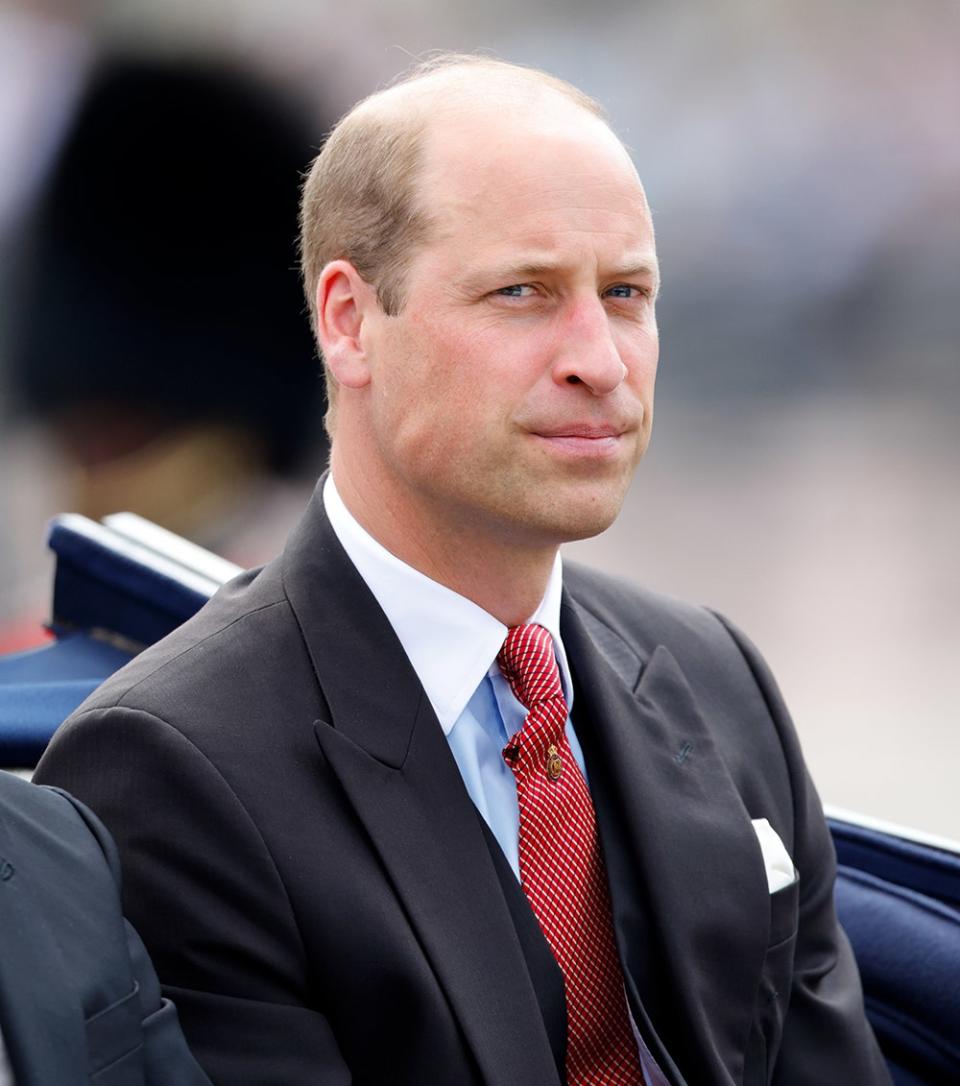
(451, 642)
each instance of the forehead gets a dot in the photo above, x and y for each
(541, 175)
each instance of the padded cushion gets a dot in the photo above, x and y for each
(907, 946)
(928, 870)
(106, 582)
(118, 587)
(39, 688)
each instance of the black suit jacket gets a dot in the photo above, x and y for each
(320, 897)
(79, 1000)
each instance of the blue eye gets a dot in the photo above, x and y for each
(622, 290)
(515, 290)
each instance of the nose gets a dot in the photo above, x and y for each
(588, 354)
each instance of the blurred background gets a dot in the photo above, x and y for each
(803, 165)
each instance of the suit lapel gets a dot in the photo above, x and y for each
(384, 744)
(689, 893)
(544, 972)
(42, 1018)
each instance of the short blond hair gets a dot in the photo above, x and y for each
(361, 199)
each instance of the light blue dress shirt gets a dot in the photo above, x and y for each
(479, 734)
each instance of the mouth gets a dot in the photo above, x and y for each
(599, 441)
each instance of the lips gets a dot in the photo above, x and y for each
(582, 440)
(586, 430)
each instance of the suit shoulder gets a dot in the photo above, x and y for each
(641, 616)
(721, 665)
(219, 637)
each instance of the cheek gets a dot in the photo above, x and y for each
(425, 404)
(641, 354)
(465, 365)
(453, 384)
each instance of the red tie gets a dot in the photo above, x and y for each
(562, 870)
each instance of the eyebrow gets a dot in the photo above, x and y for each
(646, 268)
(519, 272)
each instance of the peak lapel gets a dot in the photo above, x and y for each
(689, 892)
(384, 744)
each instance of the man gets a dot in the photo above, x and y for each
(365, 839)
(79, 1000)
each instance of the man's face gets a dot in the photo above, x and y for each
(512, 397)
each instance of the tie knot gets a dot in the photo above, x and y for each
(529, 665)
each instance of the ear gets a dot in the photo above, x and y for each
(344, 301)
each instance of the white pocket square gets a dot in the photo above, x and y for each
(776, 859)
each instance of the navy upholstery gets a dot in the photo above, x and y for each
(118, 587)
(39, 688)
(128, 577)
(898, 902)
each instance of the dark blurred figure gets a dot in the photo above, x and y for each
(79, 1000)
(158, 331)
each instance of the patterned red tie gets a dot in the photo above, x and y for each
(562, 869)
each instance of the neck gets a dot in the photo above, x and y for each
(506, 579)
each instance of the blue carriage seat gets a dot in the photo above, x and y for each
(118, 587)
(898, 898)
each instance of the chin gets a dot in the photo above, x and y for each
(572, 522)
(586, 529)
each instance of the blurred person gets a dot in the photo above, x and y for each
(79, 1000)
(418, 802)
(155, 331)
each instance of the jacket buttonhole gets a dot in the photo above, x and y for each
(683, 753)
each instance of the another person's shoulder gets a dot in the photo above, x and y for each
(47, 823)
(21, 802)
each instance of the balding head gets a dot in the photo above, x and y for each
(362, 199)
